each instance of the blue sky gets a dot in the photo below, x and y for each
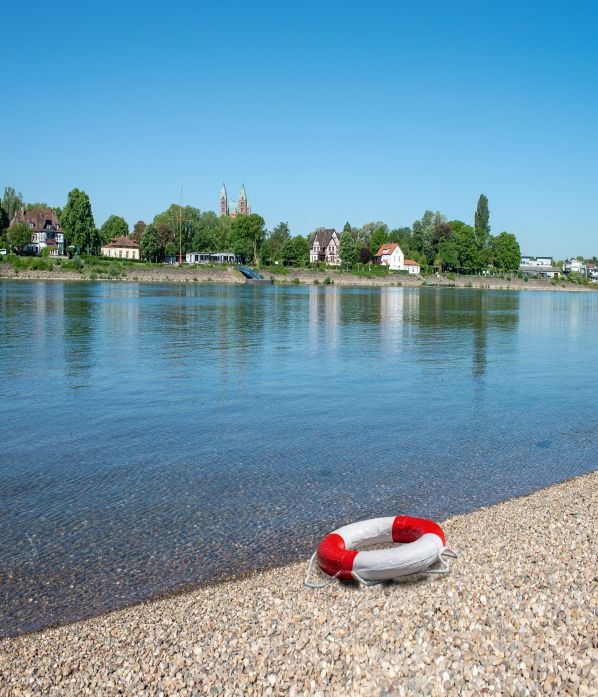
(327, 112)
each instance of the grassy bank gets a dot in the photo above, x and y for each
(98, 268)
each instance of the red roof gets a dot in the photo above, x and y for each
(387, 248)
(410, 262)
(122, 242)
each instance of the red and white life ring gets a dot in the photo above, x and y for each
(339, 554)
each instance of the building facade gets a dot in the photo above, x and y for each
(231, 209)
(45, 230)
(324, 247)
(121, 248)
(391, 255)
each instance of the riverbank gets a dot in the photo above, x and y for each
(226, 274)
(517, 615)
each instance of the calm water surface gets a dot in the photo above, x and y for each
(156, 437)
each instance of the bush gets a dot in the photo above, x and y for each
(328, 281)
(296, 280)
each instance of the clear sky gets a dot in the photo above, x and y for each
(326, 111)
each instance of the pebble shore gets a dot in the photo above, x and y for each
(516, 616)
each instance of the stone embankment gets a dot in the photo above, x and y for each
(516, 616)
(224, 274)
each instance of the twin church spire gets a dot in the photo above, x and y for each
(232, 209)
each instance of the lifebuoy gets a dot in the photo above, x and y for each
(339, 554)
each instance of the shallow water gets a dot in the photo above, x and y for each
(156, 437)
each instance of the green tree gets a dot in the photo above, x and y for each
(4, 220)
(466, 246)
(206, 235)
(447, 256)
(114, 227)
(247, 232)
(482, 231)
(301, 250)
(138, 229)
(378, 237)
(11, 202)
(505, 252)
(19, 236)
(348, 249)
(78, 225)
(403, 237)
(149, 245)
(423, 239)
(279, 235)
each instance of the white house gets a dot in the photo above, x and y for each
(535, 261)
(412, 266)
(324, 247)
(574, 265)
(391, 255)
(121, 248)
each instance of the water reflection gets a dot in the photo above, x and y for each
(222, 428)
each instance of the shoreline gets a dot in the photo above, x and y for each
(229, 275)
(515, 614)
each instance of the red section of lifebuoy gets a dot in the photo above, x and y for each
(408, 529)
(333, 557)
(336, 560)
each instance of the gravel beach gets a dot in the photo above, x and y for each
(516, 616)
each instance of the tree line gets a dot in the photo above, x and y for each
(433, 241)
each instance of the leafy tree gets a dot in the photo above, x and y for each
(4, 219)
(138, 229)
(365, 232)
(447, 256)
(35, 206)
(301, 246)
(466, 246)
(347, 227)
(505, 254)
(149, 245)
(176, 227)
(115, 226)
(247, 233)
(19, 236)
(378, 237)
(423, 239)
(365, 256)
(77, 222)
(348, 249)
(403, 236)
(279, 235)
(11, 202)
(206, 233)
(482, 231)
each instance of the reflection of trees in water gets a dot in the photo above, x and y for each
(79, 329)
(476, 311)
(198, 325)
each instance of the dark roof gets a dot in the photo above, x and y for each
(324, 236)
(38, 216)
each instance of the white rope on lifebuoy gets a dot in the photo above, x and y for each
(340, 556)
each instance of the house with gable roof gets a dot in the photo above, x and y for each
(325, 247)
(121, 248)
(45, 229)
(391, 255)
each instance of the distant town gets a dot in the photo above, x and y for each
(185, 235)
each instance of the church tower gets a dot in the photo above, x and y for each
(223, 201)
(243, 201)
